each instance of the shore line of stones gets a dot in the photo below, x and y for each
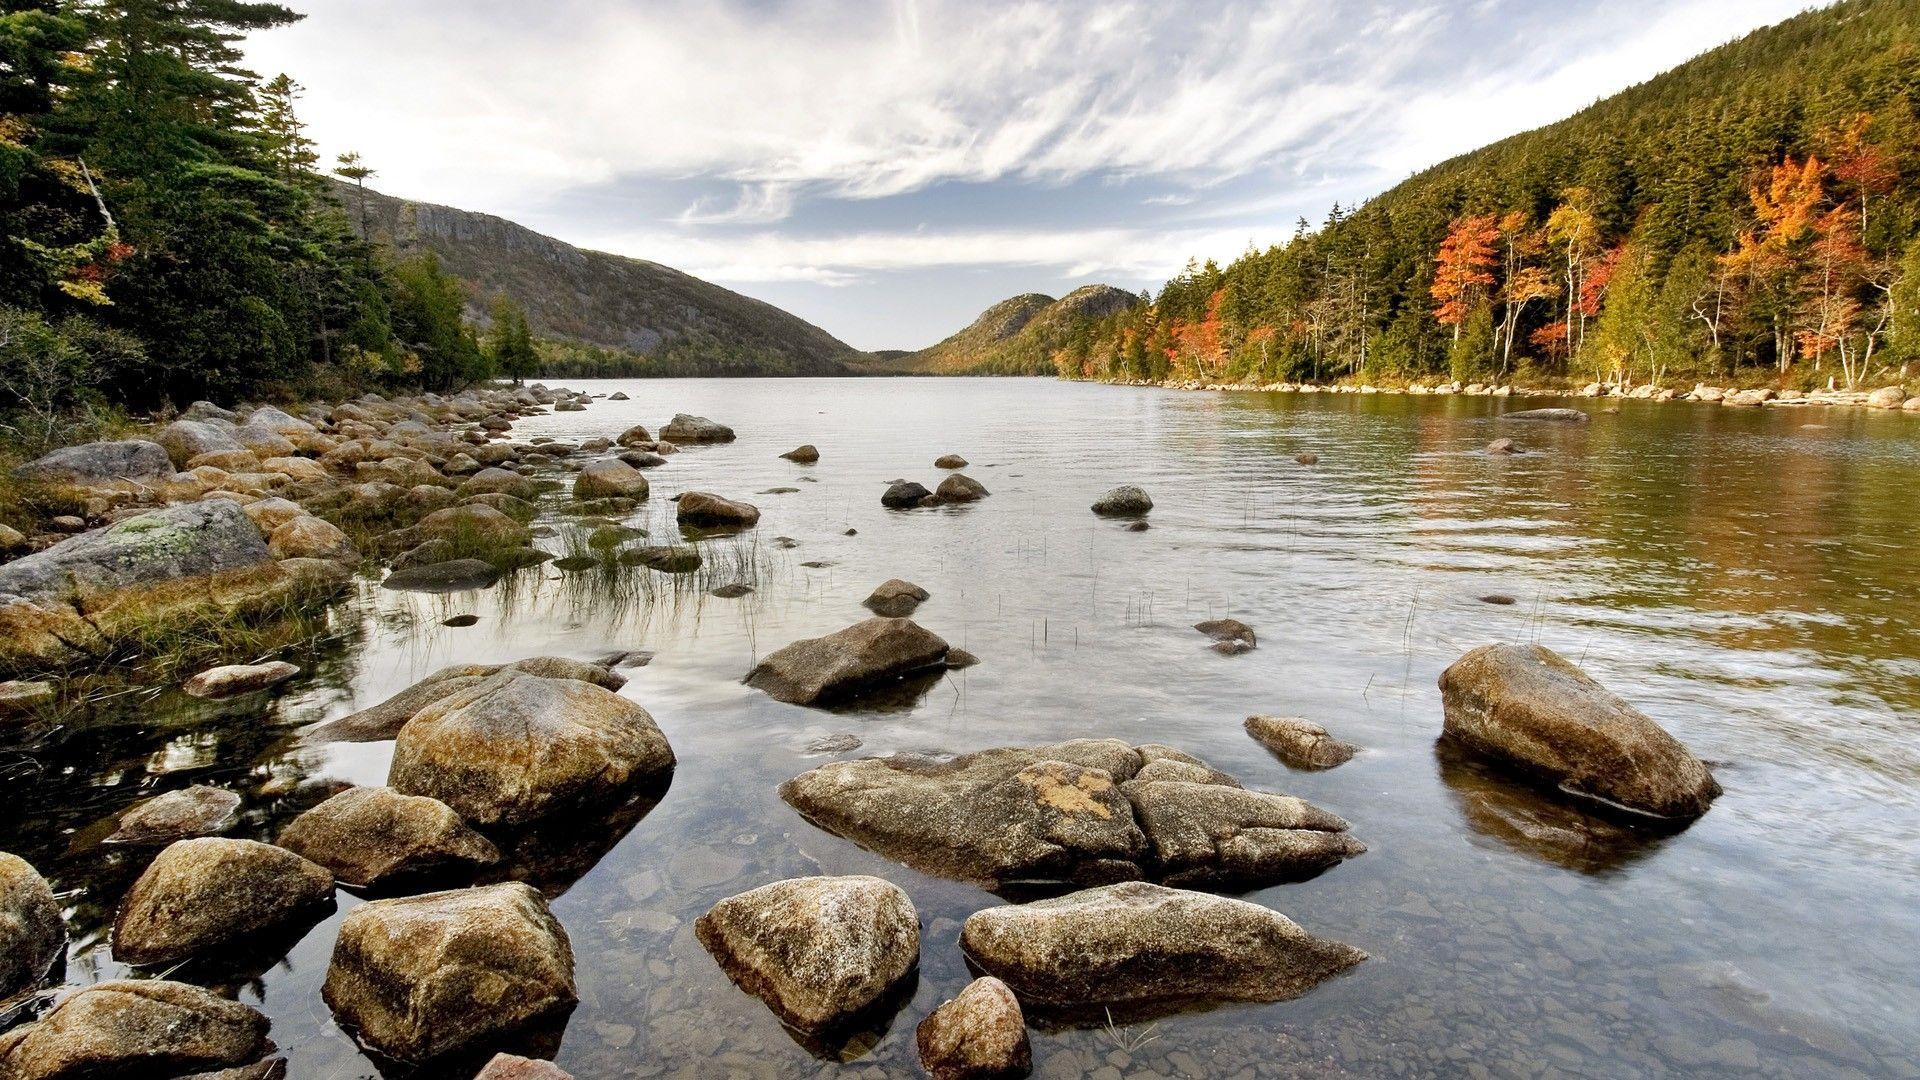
(1886, 398)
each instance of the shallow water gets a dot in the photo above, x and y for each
(1747, 577)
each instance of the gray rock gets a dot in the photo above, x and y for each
(178, 815)
(820, 951)
(229, 680)
(1529, 708)
(895, 598)
(129, 463)
(77, 598)
(686, 430)
(1213, 835)
(517, 747)
(980, 1035)
(844, 663)
(33, 934)
(635, 436)
(1302, 744)
(24, 698)
(1126, 501)
(611, 478)
(457, 575)
(1564, 416)
(372, 835)
(701, 509)
(185, 440)
(420, 977)
(1136, 944)
(206, 892)
(904, 495)
(146, 1028)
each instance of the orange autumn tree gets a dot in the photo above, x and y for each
(1522, 282)
(1464, 269)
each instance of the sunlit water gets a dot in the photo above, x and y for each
(1746, 577)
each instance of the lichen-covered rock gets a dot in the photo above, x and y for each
(419, 977)
(1529, 708)
(517, 747)
(229, 680)
(178, 815)
(844, 663)
(107, 466)
(1124, 501)
(1302, 744)
(146, 1028)
(980, 1035)
(368, 836)
(611, 478)
(33, 935)
(704, 510)
(1136, 944)
(687, 430)
(819, 951)
(79, 597)
(205, 892)
(895, 599)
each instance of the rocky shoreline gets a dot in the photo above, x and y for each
(1893, 398)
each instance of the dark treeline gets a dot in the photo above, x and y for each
(169, 235)
(1751, 214)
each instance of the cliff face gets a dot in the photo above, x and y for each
(595, 298)
(1017, 336)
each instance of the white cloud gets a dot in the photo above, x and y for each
(756, 204)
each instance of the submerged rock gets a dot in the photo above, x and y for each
(368, 836)
(1528, 707)
(33, 933)
(454, 575)
(895, 598)
(844, 663)
(904, 495)
(685, 429)
(209, 891)
(980, 1035)
(231, 679)
(1090, 811)
(145, 1028)
(820, 951)
(1302, 744)
(178, 815)
(699, 508)
(1501, 446)
(420, 977)
(1136, 944)
(517, 747)
(1126, 501)
(1565, 416)
(197, 561)
(666, 558)
(1230, 636)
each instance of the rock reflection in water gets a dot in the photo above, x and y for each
(1504, 808)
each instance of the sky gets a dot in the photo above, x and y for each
(888, 170)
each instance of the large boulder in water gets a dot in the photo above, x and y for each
(687, 429)
(33, 934)
(368, 836)
(105, 466)
(1124, 501)
(960, 488)
(384, 721)
(146, 1028)
(1136, 944)
(704, 510)
(820, 951)
(1529, 708)
(611, 478)
(517, 747)
(420, 977)
(895, 598)
(1085, 812)
(842, 664)
(208, 891)
(904, 495)
(980, 1035)
(202, 561)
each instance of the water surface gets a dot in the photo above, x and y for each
(1747, 577)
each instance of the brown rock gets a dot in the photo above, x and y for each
(842, 664)
(702, 509)
(33, 933)
(178, 815)
(514, 1067)
(980, 1035)
(1300, 743)
(146, 1028)
(367, 836)
(895, 598)
(231, 679)
(206, 892)
(803, 455)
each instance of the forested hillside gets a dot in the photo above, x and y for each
(1752, 212)
(1021, 335)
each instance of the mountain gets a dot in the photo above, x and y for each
(602, 313)
(1020, 335)
(1752, 214)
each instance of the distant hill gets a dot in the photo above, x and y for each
(1017, 336)
(601, 313)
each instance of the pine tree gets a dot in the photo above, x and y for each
(292, 152)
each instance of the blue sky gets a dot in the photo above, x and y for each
(887, 170)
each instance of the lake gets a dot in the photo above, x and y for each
(1746, 577)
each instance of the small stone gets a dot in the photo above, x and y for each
(1231, 632)
(733, 591)
(980, 1035)
(232, 679)
(949, 461)
(512, 1066)
(1300, 743)
(904, 495)
(895, 598)
(1307, 459)
(803, 455)
(461, 620)
(1126, 501)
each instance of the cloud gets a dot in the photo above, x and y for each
(756, 204)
